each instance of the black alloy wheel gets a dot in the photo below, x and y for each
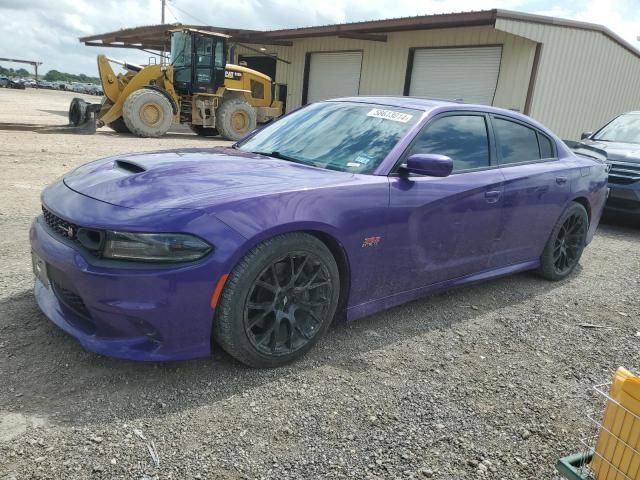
(569, 243)
(278, 300)
(287, 303)
(565, 244)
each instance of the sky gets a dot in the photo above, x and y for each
(48, 30)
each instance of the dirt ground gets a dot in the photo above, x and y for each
(488, 381)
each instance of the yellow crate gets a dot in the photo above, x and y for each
(617, 452)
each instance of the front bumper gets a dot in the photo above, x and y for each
(124, 309)
(139, 314)
(624, 199)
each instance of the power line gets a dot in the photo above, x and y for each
(199, 21)
(175, 17)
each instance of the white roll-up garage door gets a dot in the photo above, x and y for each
(470, 74)
(335, 74)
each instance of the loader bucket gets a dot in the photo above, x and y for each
(82, 116)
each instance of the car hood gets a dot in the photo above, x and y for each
(193, 178)
(623, 152)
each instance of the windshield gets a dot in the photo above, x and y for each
(180, 49)
(624, 129)
(349, 137)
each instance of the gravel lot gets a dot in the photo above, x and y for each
(488, 381)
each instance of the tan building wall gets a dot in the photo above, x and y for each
(384, 64)
(584, 77)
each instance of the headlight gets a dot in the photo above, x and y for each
(154, 247)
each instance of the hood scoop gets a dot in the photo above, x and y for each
(129, 166)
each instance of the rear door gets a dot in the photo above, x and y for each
(446, 228)
(333, 74)
(537, 187)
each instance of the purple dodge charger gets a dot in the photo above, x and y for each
(338, 210)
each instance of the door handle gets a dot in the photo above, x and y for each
(561, 180)
(492, 196)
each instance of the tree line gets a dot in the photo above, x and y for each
(50, 76)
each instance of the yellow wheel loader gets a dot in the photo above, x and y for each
(197, 87)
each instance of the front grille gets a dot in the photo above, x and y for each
(624, 173)
(90, 239)
(59, 226)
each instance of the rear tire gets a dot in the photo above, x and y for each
(147, 113)
(119, 126)
(566, 243)
(278, 301)
(204, 131)
(235, 119)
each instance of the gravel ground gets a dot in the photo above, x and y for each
(488, 381)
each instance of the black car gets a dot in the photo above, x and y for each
(619, 141)
(17, 85)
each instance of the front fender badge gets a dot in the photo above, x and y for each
(371, 242)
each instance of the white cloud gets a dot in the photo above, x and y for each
(49, 31)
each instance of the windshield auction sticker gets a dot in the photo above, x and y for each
(390, 115)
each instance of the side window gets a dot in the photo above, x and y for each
(464, 138)
(517, 142)
(546, 147)
(257, 89)
(204, 50)
(219, 54)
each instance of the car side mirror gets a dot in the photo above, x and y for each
(585, 135)
(429, 164)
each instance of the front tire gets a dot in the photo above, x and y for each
(278, 301)
(566, 243)
(235, 119)
(147, 113)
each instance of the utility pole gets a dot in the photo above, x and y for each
(162, 58)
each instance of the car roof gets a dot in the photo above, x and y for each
(417, 103)
(429, 104)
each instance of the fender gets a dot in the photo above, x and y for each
(281, 230)
(344, 263)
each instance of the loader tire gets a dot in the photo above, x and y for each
(204, 131)
(147, 113)
(119, 126)
(235, 119)
(77, 111)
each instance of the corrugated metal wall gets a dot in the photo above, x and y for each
(384, 64)
(584, 77)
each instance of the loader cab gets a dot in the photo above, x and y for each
(198, 60)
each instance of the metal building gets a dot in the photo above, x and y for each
(571, 76)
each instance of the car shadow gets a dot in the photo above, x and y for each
(45, 372)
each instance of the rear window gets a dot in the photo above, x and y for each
(517, 142)
(546, 147)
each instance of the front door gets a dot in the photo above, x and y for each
(445, 228)
(210, 58)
